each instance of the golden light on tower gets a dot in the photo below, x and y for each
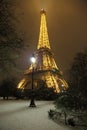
(45, 67)
(43, 36)
(21, 84)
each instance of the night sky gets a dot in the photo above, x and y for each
(67, 27)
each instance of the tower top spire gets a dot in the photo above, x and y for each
(43, 35)
(43, 11)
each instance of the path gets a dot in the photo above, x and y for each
(16, 115)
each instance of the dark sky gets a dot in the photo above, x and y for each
(67, 27)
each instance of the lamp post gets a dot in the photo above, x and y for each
(32, 103)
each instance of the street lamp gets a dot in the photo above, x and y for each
(32, 103)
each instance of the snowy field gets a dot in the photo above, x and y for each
(16, 115)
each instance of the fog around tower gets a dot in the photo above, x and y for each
(67, 27)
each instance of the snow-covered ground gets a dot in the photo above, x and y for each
(16, 115)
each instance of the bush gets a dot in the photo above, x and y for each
(71, 122)
(51, 113)
(8, 88)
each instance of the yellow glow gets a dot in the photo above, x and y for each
(49, 62)
(52, 82)
(43, 37)
(21, 84)
(45, 62)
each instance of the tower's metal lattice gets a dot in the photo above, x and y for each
(45, 68)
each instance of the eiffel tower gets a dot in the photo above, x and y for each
(45, 68)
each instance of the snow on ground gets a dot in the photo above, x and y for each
(16, 115)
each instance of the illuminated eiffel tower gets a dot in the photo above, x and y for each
(45, 68)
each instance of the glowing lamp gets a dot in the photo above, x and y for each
(33, 59)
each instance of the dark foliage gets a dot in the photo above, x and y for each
(51, 113)
(42, 93)
(11, 44)
(8, 88)
(45, 93)
(76, 96)
(71, 122)
(78, 74)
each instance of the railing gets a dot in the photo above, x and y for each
(29, 71)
